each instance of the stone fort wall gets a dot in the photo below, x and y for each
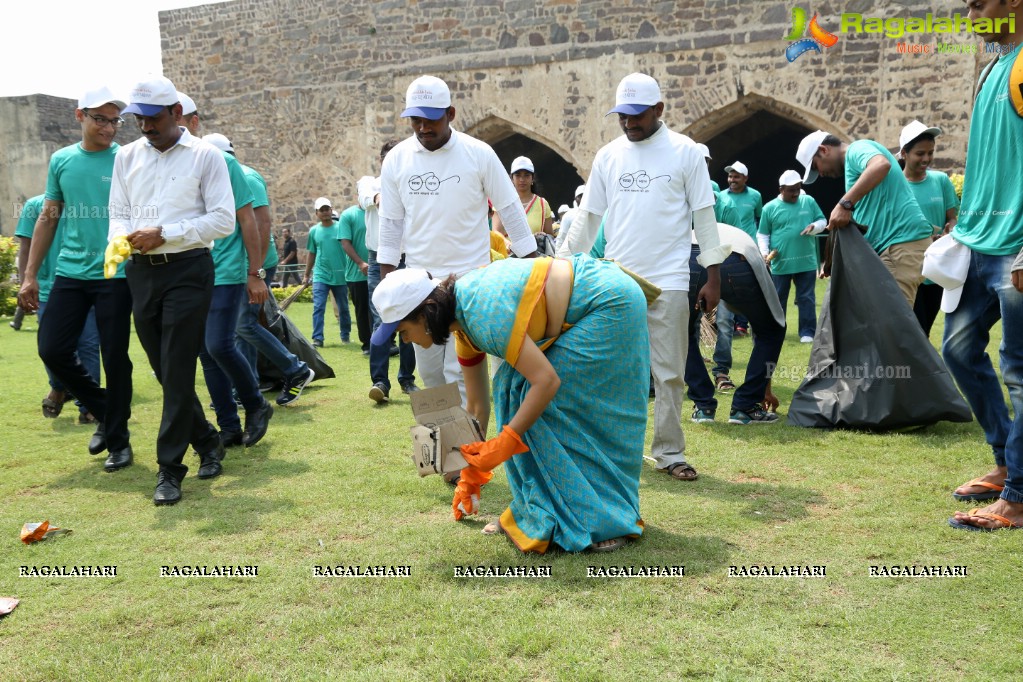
(309, 89)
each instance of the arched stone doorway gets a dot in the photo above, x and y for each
(764, 134)
(556, 177)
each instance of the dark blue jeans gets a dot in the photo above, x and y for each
(380, 356)
(254, 340)
(742, 292)
(222, 365)
(806, 300)
(988, 295)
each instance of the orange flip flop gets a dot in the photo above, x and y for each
(993, 492)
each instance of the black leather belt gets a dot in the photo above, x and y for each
(164, 258)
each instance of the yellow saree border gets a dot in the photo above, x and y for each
(520, 539)
(531, 294)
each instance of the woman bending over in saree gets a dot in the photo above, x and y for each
(571, 396)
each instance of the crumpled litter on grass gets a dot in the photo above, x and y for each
(8, 604)
(34, 532)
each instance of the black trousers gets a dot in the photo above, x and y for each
(359, 293)
(928, 305)
(170, 302)
(66, 311)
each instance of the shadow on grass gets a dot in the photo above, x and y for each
(754, 501)
(211, 511)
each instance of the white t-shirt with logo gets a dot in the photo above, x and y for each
(442, 198)
(650, 190)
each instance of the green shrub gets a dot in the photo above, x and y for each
(8, 266)
(281, 293)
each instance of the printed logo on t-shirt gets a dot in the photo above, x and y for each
(639, 181)
(428, 183)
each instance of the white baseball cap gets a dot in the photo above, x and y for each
(914, 130)
(636, 93)
(947, 263)
(522, 163)
(580, 190)
(98, 97)
(739, 167)
(806, 151)
(151, 95)
(563, 209)
(187, 104)
(321, 202)
(222, 143)
(396, 296)
(789, 178)
(427, 97)
(704, 150)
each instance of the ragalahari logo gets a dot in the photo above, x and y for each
(818, 36)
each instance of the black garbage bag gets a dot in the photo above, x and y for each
(871, 366)
(274, 319)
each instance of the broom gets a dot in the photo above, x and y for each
(295, 294)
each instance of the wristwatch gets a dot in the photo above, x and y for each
(846, 204)
(261, 273)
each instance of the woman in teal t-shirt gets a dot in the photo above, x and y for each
(937, 199)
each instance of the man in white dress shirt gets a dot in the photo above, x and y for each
(171, 197)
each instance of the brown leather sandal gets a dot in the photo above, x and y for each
(681, 471)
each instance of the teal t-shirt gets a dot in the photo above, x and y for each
(272, 259)
(934, 195)
(26, 226)
(784, 222)
(748, 206)
(991, 216)
(715, 186)
(889, 211)
(726, 212)
(230, 260)
(81, 180)
(352, 226)
(330, 258)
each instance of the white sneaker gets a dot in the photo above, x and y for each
(805, 339)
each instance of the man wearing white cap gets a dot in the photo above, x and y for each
(747, 201)
(788, 225)
(183, 184)
(991, 225)
(877, 196)
(936, 197)
(78, 188)
(434, 190)
(325, 268)
(653, 185)
(253, 338)
(238, 280)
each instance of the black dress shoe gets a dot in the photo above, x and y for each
(168, 489)
(99, 440)
(209, 462)
(256, 423)
(230, 438)
(118, 459)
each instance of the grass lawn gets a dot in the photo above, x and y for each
(332, 484)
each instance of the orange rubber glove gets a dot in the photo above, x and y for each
(487, 455)
(468, 492)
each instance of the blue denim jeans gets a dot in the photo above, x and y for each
(740, 288)
(380, 356)
(725, 322)
(254, 339)
(222, 365)
(340, 291)
(988, 295)
(806, 300)
(87, 352)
